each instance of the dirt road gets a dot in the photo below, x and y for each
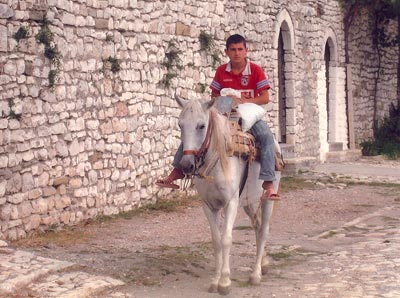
(328, 238)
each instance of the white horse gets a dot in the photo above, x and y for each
(205, 136)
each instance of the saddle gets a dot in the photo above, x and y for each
(244, 145)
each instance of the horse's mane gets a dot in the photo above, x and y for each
(220, 139)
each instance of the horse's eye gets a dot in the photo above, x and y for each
(201, 126)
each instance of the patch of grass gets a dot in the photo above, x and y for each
(295, 183)
(172, 62)
(22, 33)
(389, 219)
(46, 37)
(386, 139)
(180, 254)
(201, 87)
(355, 229)
(13, 114)
(113, 63)
(363, 205)
(206, 41)
(380, 184)
(278, 256)
(238, 243)
(243, 228)
(242, 283)
(65, 237)
(165, 260)
(174, 205)
(330, 234)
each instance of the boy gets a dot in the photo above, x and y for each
(248, 78)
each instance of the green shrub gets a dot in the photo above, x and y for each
(22, 33)
(369, 148)
(386, 136)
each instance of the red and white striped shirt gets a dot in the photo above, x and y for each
(250, 82)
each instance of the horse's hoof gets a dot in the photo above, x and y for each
(213, 288)
(224, 290)
(255, 280)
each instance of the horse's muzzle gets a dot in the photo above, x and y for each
(188, 164)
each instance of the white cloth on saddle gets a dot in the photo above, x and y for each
(250, 113)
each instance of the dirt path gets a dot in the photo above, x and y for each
(168, 254)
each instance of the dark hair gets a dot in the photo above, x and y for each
(235, 38)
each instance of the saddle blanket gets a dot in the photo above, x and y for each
(243, 144)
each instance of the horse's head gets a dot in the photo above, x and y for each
(194, 124)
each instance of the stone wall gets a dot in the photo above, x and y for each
(95, 141)
(364, 60)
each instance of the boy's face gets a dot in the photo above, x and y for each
(237, 52)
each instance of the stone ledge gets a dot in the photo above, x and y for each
(20, 268)
(294, 165)
(346, 155)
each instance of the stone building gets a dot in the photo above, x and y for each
(88, 120)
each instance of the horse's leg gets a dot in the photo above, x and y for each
(261, 240)
(230, 215)
(264, 262)
(212, 216)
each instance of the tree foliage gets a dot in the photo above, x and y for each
(381, 12)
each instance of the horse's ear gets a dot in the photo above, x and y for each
(181, 102)
(207, 105)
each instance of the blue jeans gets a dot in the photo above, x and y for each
(265, 139)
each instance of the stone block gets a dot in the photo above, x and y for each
(291, 119)
(65, 217)
(35, 193)
(60, 180)
(101, 24)
(62, 189)
(74, 148)
(27, 180)
(68, 19)
(182, 29)
(37, 15)
(62, 202)
(40, 206)
(5, 212)
(14, 184)
(24, 209)
(6, 11)
(49, 191)
(3, 164)
(61, 148)
(33, 222)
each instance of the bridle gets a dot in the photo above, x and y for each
(199, 155)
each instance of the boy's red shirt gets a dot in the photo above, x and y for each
(250, 82)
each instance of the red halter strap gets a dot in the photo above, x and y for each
(204, 147)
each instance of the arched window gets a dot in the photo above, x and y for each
(327, 59)
(284, 43)
(281, 92)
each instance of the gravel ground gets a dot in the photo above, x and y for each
(169, 254)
